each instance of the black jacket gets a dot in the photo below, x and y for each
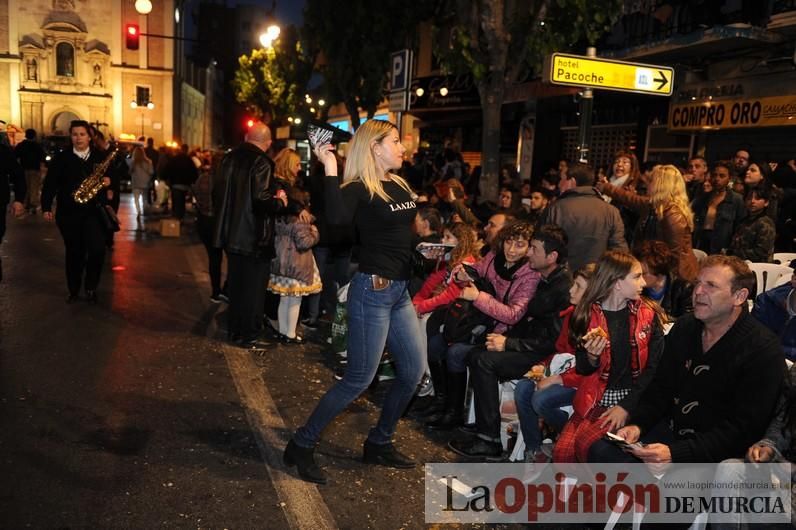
(677, 300)
(538, 330)
(30, 154)
(180, 170)
(10, 170)
(720, 401)
(244, 203)
(64, 176)
(729, 213)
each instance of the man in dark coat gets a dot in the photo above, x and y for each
(592, 224)
(180, 173)
(10, 170)
(245, 202)
(31, 156)
(716, 388)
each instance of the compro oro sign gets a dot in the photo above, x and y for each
(577, 70)
(733, 114)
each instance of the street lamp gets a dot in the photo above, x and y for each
(270, 35)
(144, 7)
(149, 106)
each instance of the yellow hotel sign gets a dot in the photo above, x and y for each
(577, 70)
(733, 113)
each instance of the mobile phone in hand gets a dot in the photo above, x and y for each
(621, 442)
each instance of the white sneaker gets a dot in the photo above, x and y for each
(426, 386)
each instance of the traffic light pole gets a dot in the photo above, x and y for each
(170, 37)
(584, 126)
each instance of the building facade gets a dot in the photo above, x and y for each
(62, 60)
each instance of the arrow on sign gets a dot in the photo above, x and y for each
(662, 80)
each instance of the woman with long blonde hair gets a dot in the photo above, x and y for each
(382, 208)
(664, 214)
(675, 220)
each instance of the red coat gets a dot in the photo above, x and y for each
(569, 378)
(426, 301)
(592, 386)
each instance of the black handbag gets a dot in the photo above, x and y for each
(110, 221)
(464, 323)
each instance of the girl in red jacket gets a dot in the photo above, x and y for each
(439, 289)
(619, 340)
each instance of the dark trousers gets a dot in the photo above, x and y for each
(334, 267)
(3, 208)
(84, 239)
(246, 280)
(487, 369)
(204, 226)
(178, 202)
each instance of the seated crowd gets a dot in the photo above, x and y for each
(595, 305)
(619, 303)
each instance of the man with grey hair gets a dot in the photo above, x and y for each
(245, 203)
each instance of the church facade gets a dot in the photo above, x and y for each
(62, 60)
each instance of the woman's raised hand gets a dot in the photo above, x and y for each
(325, 154)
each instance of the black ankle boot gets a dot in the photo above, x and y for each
(451, 419)
(454, 404)
(304, 460)
(437, 371)
(385, 455)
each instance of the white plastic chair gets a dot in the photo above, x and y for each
(781, 281)
(768, 274)
(700, 254)
(784, 258)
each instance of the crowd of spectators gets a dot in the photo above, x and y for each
(657, 258)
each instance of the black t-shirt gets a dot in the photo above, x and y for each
(384, 227)
(619, 330)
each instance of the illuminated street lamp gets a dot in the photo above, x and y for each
(144, 7)
(270, 35)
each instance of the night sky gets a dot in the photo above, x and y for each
(287, 11)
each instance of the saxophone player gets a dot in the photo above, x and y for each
(80, 224)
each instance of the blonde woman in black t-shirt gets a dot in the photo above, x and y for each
(381, 206)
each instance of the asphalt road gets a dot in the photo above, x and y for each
(120, 415)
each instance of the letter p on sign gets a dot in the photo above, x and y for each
(400, 71)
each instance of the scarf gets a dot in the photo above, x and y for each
(507, 273)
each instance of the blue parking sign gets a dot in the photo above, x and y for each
(400, 70)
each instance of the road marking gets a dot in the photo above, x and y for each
(301, 502)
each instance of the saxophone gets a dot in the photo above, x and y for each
(92, 184)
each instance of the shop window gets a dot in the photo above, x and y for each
(65, 59)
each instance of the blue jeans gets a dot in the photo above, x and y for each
(546, 403)
(375, 318)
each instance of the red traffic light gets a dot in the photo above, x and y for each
(131, 36)
(249, 123)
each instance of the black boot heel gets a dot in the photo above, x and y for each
(304, 460)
